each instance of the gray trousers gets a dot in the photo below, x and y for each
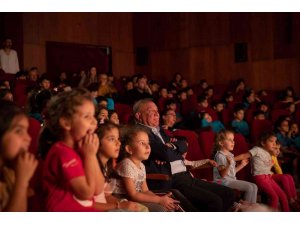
(249, 188)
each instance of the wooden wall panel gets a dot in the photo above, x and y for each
(208, 38)
(106, 29)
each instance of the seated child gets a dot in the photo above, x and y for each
(206, 121)
(17, 165)
(239, 124)
(135, 149)
(285, 181)
(109, 148)
(227, 168)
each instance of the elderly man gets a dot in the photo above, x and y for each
(166, 157)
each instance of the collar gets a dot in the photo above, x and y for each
(153, 129)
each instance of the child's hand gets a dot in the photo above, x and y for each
(244, 162)
(168, 202)
(213, 163)
(132, 206)
(229, 161)
(26, 165)
(89, 144)
(172, 139)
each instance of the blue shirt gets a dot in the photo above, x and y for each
(241, 127)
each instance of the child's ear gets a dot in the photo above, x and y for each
(65, 123)
(220, 143)
(128, 149)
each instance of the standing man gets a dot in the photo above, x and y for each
(166, 157)
(9, 62)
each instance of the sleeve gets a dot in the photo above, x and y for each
(253, 151)
(71, 165)
(160, 151)
(221, 160)
(276, 165)
(17, 62)
(125, 169)
(197, 163)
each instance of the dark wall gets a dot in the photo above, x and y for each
(263, 48)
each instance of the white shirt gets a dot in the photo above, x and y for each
(261, 161)
(9, 62)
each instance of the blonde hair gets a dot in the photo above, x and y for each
(221, 136)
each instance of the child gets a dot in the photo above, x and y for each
(206, 121)
(109, 148)
(71, 175)
(227, 168)
(239, 124)
(294, 136)
(285, 181)
(135, 149)
(17, 165)
(102, 115)
(261, 161)
(113, 117)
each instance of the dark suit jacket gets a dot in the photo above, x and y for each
(161, 152)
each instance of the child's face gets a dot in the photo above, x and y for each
(284, 126)
(8, 97)
(114, 118)
(204, 103)
(103, 103)
(140, 147)
(229, 99)
(292, 108)
(269, 144)
(172, 106)
(204, 85)
(129, 85)
(207, 117)
(190, 91)
(110, 144)
(295, 128)
(260, 117)
(219, 107)
(264, 108)
(228, 143)
(170, 118)
(164, 93)
(83, 121)
(210, 92)
(16, 139)
(239, 115)
(103, 114)
(184, 83)
(94, 94)
(276, 150)
(45, 84)
(183, 96)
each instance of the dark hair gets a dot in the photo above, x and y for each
(279, 121)
(128, 133)
(257, 113)
(63, 105)
(93, 87)
(108, 169)
(3, 92)
(38, 100)
(265, 136)
(8, 111)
